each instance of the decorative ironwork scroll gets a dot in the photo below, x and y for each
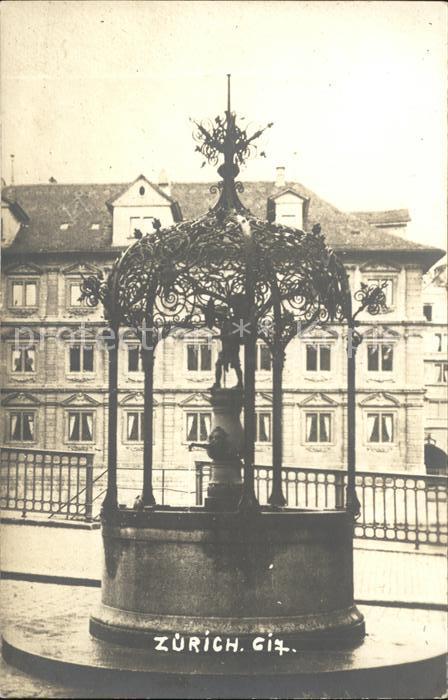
(187, 276)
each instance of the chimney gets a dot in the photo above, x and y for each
(164, 182)
(280, 176)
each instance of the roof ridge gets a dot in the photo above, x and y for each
(47, 204)
(66, 184)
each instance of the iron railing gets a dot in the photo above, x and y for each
(174, 486)
(395, 507)
(49, 482)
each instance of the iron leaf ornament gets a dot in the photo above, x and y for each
(213, 140)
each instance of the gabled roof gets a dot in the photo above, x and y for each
(155, 187)
(51, 205)
(81, 206)
(343, 231)
(286, 190)
(16, 209)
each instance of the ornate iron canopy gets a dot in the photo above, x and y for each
(228, 268)
(188, 274)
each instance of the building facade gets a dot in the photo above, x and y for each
(53, 363)
(435, 302)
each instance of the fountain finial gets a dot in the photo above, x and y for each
(224, 137)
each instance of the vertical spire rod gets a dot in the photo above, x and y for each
(228, 92)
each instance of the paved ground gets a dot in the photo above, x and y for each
(390, 574)
(56, 600)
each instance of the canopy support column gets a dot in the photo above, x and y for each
(110, 501)
(352, 503)
(277, 498)
(147, 352)
(249, 500)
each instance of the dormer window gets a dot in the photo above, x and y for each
(288, 208)
(64, 226)
(135, 209)
(95, 227)
(141, 223)
(289, 214)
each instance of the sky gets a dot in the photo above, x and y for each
(103, 91)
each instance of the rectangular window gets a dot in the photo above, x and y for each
(380, 427)
(442, 372)
(263, 360)
(80, 426)
(141, 223)
(135, 223)
(263, 426)
(24, 294)
(148, 224)
(134, 359)
(23, 360)
(75, 294)
(388, 288)
(21, 426)
(134, 426)
(440, 342)
(198, 426)
(318, 358)
(199, 357)
(427, 311)
(81, 358)
(318, 427)
(380, 357)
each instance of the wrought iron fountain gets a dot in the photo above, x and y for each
(232, 566)
(231, 576)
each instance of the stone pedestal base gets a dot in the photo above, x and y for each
(224, 488)
(197, 573)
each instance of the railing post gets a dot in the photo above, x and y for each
(339, 490)
(199, 482)
(89, 489)
(417, 543)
